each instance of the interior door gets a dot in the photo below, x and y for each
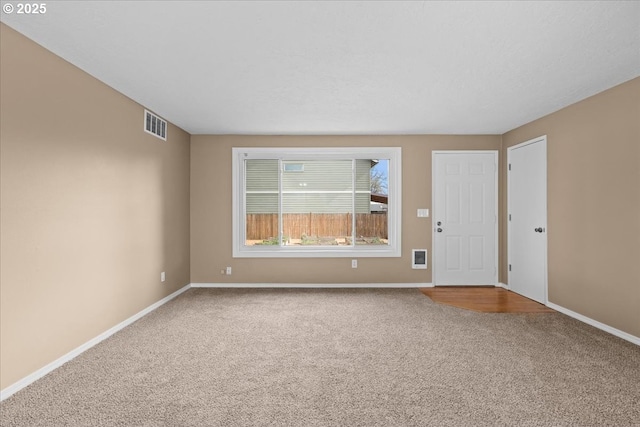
(465, 218)
(527, 206)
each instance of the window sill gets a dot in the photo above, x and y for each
(331, 252)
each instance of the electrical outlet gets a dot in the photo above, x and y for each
(228, 271)
(354, 263)
(163, 277)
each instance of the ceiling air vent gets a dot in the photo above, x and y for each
(155, 125)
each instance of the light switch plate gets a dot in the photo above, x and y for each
(423, 213)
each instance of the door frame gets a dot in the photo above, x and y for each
(496, 154)
(542, 138)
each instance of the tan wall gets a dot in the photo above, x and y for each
(211, 241)
(593, 151)
(93, 208)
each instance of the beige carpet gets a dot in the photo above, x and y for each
(338, 357)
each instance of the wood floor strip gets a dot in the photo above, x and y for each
(485, 299)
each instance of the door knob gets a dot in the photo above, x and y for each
(538, 230)
(439, 230)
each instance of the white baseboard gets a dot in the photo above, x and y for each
(502, 285)
(311, 285)
(19, 385)
(613, 331)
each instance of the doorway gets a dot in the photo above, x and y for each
(527, 218)
(465, 231)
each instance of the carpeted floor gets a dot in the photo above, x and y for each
(338, 357)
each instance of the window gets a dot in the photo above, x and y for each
(292, 167)
(316, 202)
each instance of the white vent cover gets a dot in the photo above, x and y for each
(155, 125)
(419, 259)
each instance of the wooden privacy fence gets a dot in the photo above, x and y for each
(264, 226)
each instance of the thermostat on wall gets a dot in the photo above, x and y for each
(419, 259)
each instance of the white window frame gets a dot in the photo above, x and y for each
(394, 213)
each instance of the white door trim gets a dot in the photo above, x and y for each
(434, 207)
(522, 144)
(509, 245)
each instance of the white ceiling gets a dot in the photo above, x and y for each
(346, 67)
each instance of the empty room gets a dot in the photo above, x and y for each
(319, 213)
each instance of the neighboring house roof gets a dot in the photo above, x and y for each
(380, 198)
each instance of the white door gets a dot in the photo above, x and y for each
(527, 210)
(465, 185)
